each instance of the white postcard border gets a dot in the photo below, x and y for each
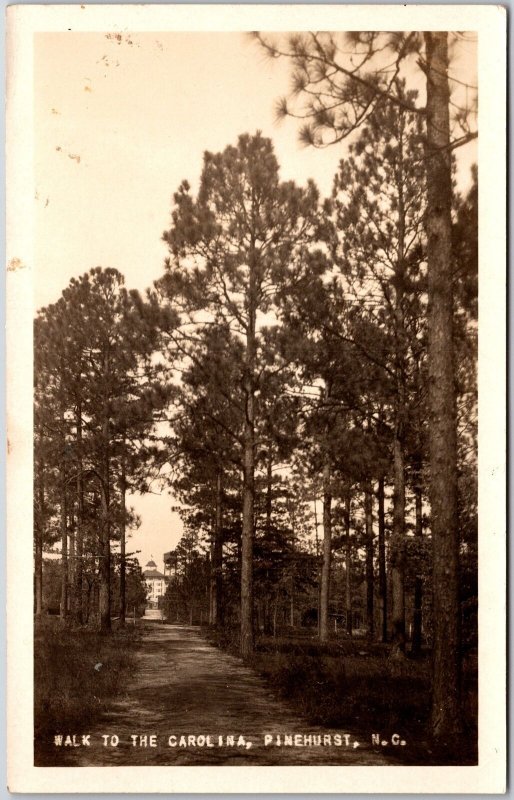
(489, 776)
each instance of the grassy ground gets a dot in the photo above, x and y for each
(353, 684)
(76, 674)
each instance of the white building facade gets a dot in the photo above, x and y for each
(155, 584)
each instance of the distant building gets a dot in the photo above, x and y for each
(155, 582)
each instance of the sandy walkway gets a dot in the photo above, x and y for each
(184, 687)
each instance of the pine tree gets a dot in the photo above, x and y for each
(94, 344)
(231, 250)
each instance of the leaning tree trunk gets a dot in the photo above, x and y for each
(445, 716)
(370, 589)
(382, 574)
(327, 552)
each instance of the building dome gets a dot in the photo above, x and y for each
(151, 572)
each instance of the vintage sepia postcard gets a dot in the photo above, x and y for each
(256, 398)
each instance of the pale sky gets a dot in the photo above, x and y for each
(118, 126)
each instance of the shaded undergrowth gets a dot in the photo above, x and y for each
(77, 673)
(355, 685)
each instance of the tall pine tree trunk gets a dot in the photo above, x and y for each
(77, 601)
(348, 563)
(327, 551)
(213, 611)
(418, 583)
(382, 574)
(398, 554)
(398, 534)
(104, 599)
(269, 492)
(370, 587)
(63, 518)
(71, 564)
(39, 534)
(248, 470)
(445, 717)
(123, 526)
(293, 551)
(266, 605)
(64, 544)
(216, 588)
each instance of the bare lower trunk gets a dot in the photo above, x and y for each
(445, 717)
(293, 550)
(38, 575)
(318, 567)
(269, 491)
(247, 543)
(64, 543)
(72, 556)
(78, 612)
(213, 611)
(215, 598)
(348, 565)
(247, 641)
(398, 554)
(104, 599)
(316, 526)
(77, 602)
(327, 553)
(95, 601)
(368, 514)
(39, 533)
(418, 583)
(123, 560)
(63, 516)
(382, 574)
(398, 537)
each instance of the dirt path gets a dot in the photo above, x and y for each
(184, 687)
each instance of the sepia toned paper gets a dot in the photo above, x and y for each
(90, 183)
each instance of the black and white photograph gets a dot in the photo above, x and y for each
(255, 529)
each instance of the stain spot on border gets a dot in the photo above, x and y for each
(14, 264)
